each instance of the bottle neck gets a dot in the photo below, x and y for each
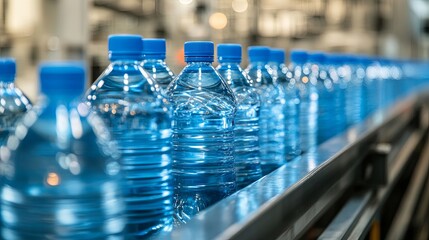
(260, 73)
(132, 56)
(154, 60)
(300, 65)
(230, 65)
(301, 68)
(257, 66)
(279, 71)
(275, 64)
(208, 59)
(258, 63)
(277, 68)
(154, 57)
(206, 63)
(233, 74)
(124, 61)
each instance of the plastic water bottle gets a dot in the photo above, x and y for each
(62, 177)
(331, 118)
(203, 133)
(283, 76)
(399, 87)
(409, 78)
(309, 97)
(247, 160)
(272, 121)
(374, 85)
(392, 81)
(370, 85)
(154, 62)
(337, 107)
(354, 91)
(13, 104)
(129, 102)
(385, 83)
(325, 92)
(361, 73)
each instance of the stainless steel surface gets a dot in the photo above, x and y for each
(422, 216)
(405, 209)
(347, 218)
(356, 217)
(395, 168)
(286, 202)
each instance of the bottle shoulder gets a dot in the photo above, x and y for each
(235, 76)
(156, 66)
(158, 70)
(13, 100)
(247, 96)
(123, 86)
(272, 91)
(60, 127)
(200, 89)
(70, 150)
(127, 77)
(200, 78)
(260, 74)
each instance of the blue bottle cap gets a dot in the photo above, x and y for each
(125, 47)
(373, 59)
(62, 78)
(154, 48)
(7, 69)
(298, 56)
(199, 51)
(350, 58)
(277, 55)
(258, 54)
(229, 52)
(316, 57)
(335, 58)
(362, 59)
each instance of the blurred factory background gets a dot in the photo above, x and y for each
(38, 30)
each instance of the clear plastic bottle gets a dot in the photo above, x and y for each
(399, 87)
(391, 79)
(13, 103)
(272, 121)
(339, 123)
(308, 94)
(154, 62)
(361, 71)
(62, 177)
(373, 85)
(325, 96)
(409, 81)
(131, 105)
(283, 76)
(203, 133)
(247, 160)
(328, 119)
(354, 91)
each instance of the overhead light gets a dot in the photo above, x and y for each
(239, 5)
(185, 2)
(218, 20)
